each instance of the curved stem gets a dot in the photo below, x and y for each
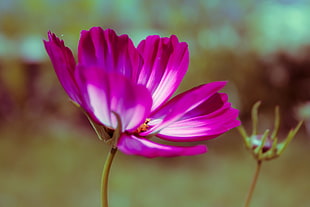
(254, 181)
(105, 177)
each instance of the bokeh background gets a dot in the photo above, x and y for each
(50, 156)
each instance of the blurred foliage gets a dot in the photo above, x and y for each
(261, 47)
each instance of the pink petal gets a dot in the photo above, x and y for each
(165, 64)
(64, 64)
(132, 145)
(210, 105)
(98, 47)
(202, 127)
(105, 93)
(181, 105)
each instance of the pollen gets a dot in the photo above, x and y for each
(144, 127)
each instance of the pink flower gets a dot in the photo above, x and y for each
(129, 88)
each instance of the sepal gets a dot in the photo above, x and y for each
(265, 146)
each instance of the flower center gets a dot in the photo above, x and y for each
(144, 127)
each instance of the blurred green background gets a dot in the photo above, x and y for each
(50, 156)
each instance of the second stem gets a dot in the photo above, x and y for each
(253, 184)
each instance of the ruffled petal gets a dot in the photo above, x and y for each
(64, 65)
(165, 64)
(132, 145)
(181, 105)
(108, 93)
(113, 53)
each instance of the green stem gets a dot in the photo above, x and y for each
(254, 181)
(105, 177)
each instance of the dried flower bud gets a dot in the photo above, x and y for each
(265, 146)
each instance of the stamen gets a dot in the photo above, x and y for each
(144, 127)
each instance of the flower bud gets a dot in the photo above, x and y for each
(265, 146)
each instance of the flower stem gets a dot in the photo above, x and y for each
(105, 176)
(254, 181)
